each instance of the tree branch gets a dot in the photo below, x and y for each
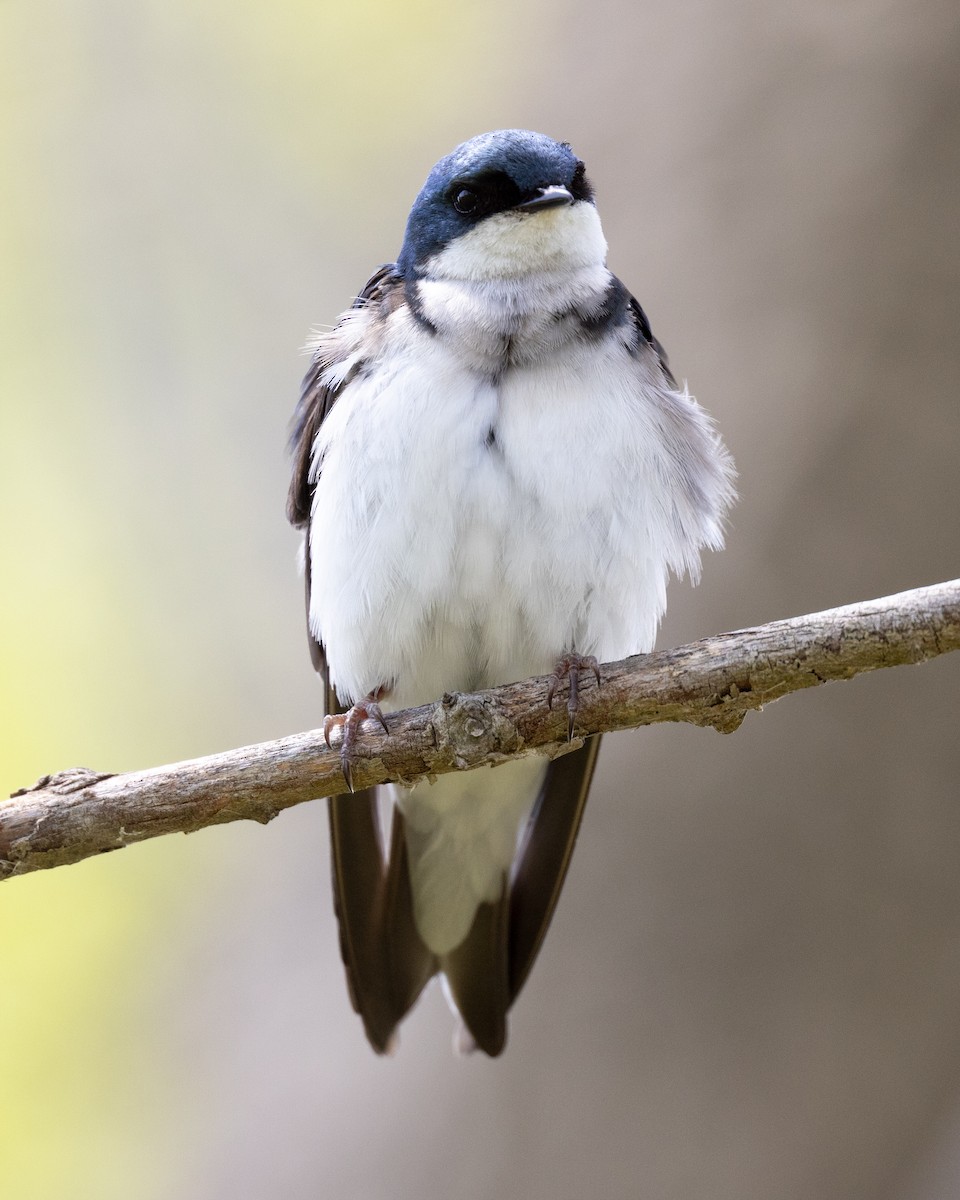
(74, 814)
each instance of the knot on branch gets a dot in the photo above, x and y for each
(471, 730)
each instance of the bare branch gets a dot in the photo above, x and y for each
(74, 814)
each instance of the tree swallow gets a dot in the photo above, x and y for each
(496, 472)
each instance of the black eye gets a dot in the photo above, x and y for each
(466, 201)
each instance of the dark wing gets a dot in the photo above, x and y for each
(387, 965)
(316, 399)
(315, 404)
(645, 336)
(384, 288)
(545, 855)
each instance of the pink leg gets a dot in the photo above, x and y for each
(349, 723)
(570, 666)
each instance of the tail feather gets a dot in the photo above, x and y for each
(477, 976)
(543, 860)
(411, 964)
(387, 962)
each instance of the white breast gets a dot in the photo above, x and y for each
(408, 511)
(467, 531)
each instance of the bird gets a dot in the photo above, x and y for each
(495, 472)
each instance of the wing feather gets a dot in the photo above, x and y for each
(381, 292)
(386, 963)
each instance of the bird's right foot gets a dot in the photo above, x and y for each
(349, 725)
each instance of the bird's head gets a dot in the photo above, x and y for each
(503, 205)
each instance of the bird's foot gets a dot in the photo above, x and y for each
(569, 667)
(349, 724)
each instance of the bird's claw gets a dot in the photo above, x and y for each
(569, 667)
(349, 724)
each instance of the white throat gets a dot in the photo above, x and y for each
(511, 245)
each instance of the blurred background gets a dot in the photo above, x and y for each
(752, 985)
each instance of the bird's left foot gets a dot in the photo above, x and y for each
(349, 723)
(569, 667)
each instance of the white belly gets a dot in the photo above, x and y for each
(465, 532)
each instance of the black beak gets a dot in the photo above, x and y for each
(546, 197)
